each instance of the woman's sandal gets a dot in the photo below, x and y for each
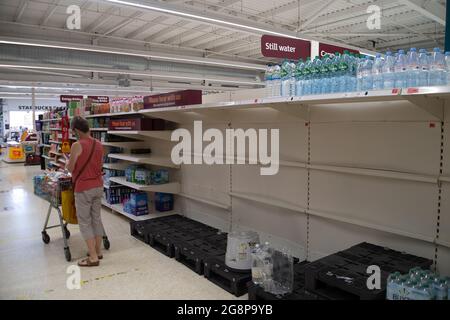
(88, 263)
(100, 257)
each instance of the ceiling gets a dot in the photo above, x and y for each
(212, 45)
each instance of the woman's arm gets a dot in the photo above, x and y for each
(75, 152)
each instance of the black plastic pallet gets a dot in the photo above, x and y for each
(164, 240)
(387, 259)
(325, 277)
(141, 229)
(218, 273)
(194, 252)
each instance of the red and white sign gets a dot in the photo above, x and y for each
(285, 48)
(99, 99)
(331, 50)
(67, 98)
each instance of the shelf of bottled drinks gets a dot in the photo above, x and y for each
(350, 72)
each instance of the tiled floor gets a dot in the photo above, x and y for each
(30, 269)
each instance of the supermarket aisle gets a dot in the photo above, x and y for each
(29, 269)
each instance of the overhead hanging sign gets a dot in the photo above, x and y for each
(285, 48)
(331, 50)
(67, 98)
(99, 99)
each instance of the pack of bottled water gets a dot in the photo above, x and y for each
(349, 72)
(418, 284)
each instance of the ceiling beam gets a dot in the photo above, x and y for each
(430, 9)
(316, 13)
(20, 10)
(124, 23)
(104, 17)
(146, 27)
(50, 11)
(180, 36)
(166, 30)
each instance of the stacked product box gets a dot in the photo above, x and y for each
(118, 195)
(111, 173)
(137, 204)
(141, 175)
(163, 201)
(99, 122)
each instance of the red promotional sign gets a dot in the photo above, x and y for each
(330, 49)
(285, 48)
(99, 99)
(67, 98)
(179, 98)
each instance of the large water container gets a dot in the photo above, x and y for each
(389, 71)
(413, 68)
(424, 68)
(240, 246)
(438, 75)
(377, 73)
(401, 75)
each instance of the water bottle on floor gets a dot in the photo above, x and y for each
(424, 68)
(389, 71)
(377, 73)
(400, 70)
(276, 81)
(413, 68)
(437, 68)
(268, 80)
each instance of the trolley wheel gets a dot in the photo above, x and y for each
(67, 232)
(106, 243)
(67, 254)
(45, 237)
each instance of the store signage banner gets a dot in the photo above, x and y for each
(285, 48)
(99, 99)
(330, 49)
(171, 99)
(66, 98)
(65, 125)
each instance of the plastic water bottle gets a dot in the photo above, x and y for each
(347, 59)
(268, 80)
(285, 76)
(276, 81)
(343, 73)
(377, 73)
(352, 79)
(292, 78)
(359, 73)
(413, 68)
(392, 286)
(326, 74)
(400, 70)
(334, 73)
(307, 89)
(367, 80)
(316, 76)
(389, 71)
(447, 67)
(437, 68)
(257, 266)
(424, 68)
(299, 78)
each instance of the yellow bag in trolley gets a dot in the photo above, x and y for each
(68, 207)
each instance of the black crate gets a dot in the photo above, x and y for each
(141, 229)
(387, 259)
(164, 240)
(218, 239)
(322, 277)
(193, 253)
(218, 273)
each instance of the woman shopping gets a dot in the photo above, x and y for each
(85, 164)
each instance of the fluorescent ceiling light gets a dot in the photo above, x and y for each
(129, 72)
(135, 54)
(204, 18)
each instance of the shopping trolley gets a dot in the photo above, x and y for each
(51, 189)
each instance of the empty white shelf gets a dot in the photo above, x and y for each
(146, 159)
(171, 187)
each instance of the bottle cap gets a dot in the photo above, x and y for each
(401, 51)
(437, 49)
(413, 50)
(389, 53)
